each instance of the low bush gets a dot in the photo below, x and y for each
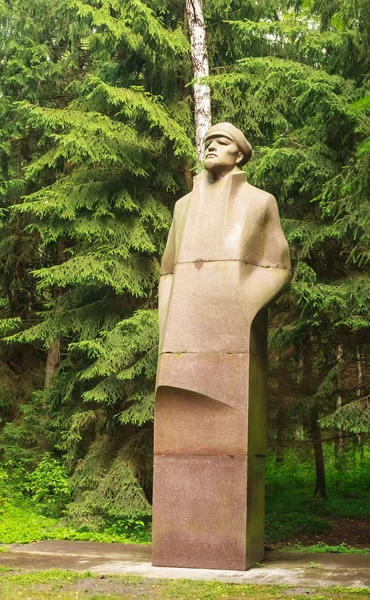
(48, 486)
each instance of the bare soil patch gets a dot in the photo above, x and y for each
(352, 531)
(106, 585)
(300, 591)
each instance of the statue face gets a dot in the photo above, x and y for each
(221, 153)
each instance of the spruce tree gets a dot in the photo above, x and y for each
(96, 145)
(98, 186)
(291, 75)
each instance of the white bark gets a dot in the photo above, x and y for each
(199, 59)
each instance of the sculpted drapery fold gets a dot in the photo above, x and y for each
(226, 258)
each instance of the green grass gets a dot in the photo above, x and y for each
(20, 523)
(66, 585)
(321, 547)
(47, 576)
(292, 513)
(291, 510)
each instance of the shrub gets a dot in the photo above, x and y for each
(48, 485)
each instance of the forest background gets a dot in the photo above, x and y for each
(97, 144)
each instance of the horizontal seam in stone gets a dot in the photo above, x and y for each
(226, 455)
(211, 353)
(200, 260)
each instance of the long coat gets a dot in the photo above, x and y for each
(226, 258)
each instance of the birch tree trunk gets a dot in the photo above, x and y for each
(199, 59)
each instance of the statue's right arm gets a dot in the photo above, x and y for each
(165, 282)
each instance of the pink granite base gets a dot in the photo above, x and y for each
(208, 497)
(198, 522)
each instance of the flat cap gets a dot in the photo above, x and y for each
(230, 131)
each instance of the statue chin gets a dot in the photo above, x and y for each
(216, 168)
(211, 162)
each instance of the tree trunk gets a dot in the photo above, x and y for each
(53, 355)
(52, 363)
(280, 426)
(199, 59)
(320, 486)
(359, 394)
(338, 441)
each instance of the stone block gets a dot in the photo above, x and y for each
(199, 512)
(188, 423)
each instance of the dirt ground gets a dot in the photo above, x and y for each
(109, 585)
(354, 532)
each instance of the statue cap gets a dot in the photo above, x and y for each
(230, 131)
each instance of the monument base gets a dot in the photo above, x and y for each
(209, 463)
(200, 512)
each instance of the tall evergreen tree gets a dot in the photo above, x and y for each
(96, 145)
(98, 181)
(291, 76)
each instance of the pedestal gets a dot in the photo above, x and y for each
(208, 497)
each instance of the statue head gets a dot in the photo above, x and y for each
(225, 148)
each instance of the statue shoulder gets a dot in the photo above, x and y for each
(263, 201)
(260, 195)
(181, 205)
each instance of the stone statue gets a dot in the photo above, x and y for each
(225, 261)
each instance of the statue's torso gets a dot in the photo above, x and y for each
(220, 221)
(223, 248)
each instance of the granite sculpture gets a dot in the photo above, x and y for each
(225, 261)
